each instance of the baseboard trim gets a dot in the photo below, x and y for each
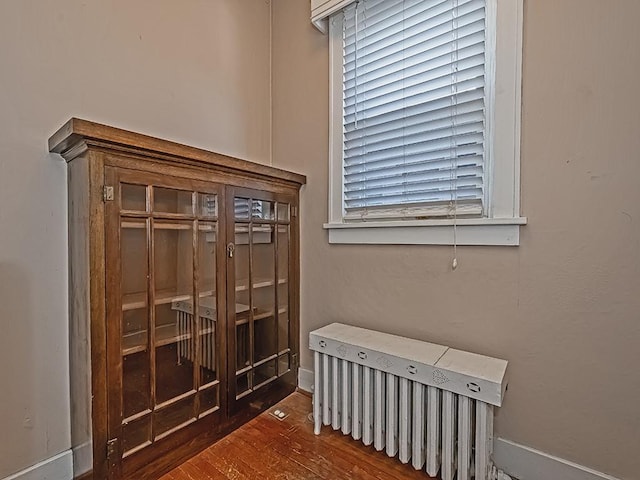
(526, 463)
(305, 380)
(58, 467)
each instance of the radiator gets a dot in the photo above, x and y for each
(427, 404)
(184, 324)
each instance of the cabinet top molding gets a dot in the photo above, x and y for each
(78, 135)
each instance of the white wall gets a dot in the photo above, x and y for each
(193, 71)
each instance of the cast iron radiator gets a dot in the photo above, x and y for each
(427, 404)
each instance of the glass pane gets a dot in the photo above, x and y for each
(241, 261)
(207, 205)
(283, 364)
(242, 346)
(174, 321)
(174, 415)
(243, 383)
(283, 287)
(209, 399)
(241, 208)
(134, 330)
(264, 373)
(283, 212)
(263, 270)
(135, 383)
(136, 388)
(208, 364)
(173, 261)
(207, 241)
(133, 197)
(283, 266)
(283, 331)
(174, 373)
(133, 251)
(265, 338)
(207, 304)
(168, 200)
(136, 433)
(262, 209)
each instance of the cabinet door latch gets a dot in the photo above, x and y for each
(107, 193)
(230, 249)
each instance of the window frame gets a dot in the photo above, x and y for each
(501, 225)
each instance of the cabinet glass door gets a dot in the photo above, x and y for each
(169, 348)
(259, 256)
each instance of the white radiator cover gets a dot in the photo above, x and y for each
(429, 404)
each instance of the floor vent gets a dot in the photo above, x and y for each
(427, 404)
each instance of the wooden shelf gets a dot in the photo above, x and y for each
(243, 285)
(136, 342)
(137, 300)
(133, 301)
(259, 315)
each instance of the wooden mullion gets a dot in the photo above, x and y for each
(221, 343)
(276, 269)
(250, 374)
(151, 289)
(196, 314)
(291, 279)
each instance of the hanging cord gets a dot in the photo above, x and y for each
(454, 110)
(355, 67)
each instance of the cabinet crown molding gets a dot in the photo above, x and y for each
(78, 135)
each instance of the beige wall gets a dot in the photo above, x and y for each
(193, 71)
(564, 307)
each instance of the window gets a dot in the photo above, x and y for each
(424, 136)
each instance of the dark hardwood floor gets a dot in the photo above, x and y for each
(268, 448)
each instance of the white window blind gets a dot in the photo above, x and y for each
(414, 108)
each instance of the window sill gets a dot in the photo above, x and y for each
(469, 231)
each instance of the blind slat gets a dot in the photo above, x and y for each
(380, 107)
(426, 158)
(416, 136)
(417, 113)
(421, 36)
(413, 108)
(439, 144)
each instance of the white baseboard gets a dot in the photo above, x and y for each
(525, 463)
(58, 467)
(305, 379)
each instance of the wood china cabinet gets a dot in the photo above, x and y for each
(183, 296)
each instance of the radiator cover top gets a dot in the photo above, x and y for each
(475, 376)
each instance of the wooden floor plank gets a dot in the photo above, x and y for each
(268, 448)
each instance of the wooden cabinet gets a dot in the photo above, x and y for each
(183, 296)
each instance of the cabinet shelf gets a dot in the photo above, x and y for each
(243, 285)
(259, 315)
(164, 225)
(136, 341)
(133, 301)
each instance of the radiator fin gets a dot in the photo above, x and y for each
(435, 430)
